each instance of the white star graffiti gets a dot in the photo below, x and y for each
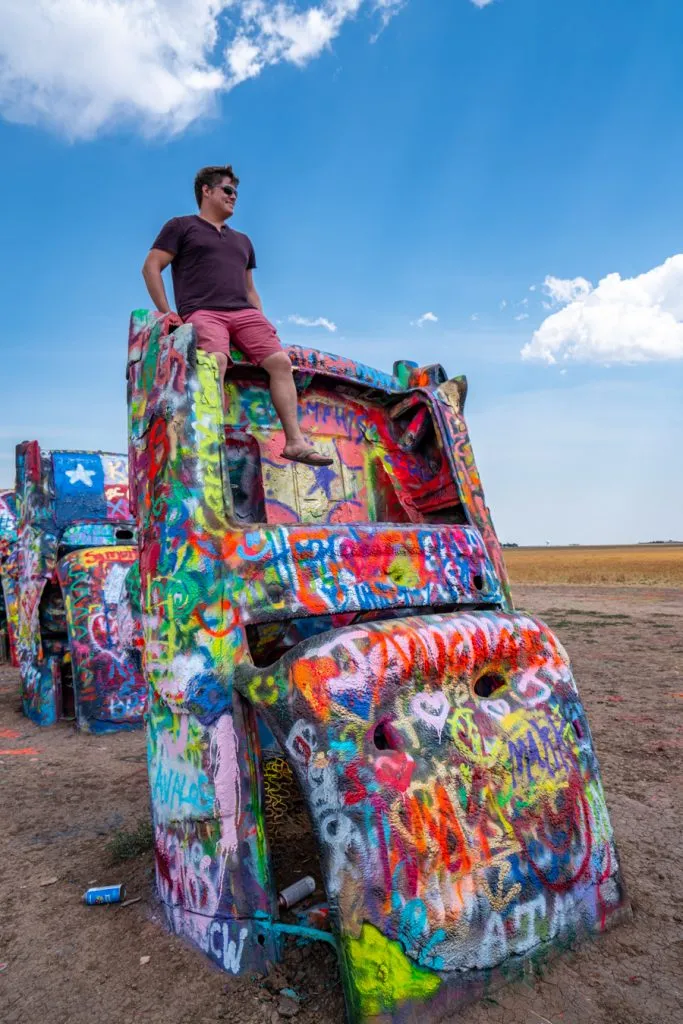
(80, 475)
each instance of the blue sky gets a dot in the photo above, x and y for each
(496, 165)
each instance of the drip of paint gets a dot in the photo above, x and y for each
(226, 780)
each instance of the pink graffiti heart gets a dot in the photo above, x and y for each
(395, 770)
(432, 709)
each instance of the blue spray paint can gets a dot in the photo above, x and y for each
(105, 894)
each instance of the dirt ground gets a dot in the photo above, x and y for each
(63, 796)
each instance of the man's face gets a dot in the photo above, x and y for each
(222, 197)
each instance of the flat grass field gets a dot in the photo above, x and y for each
(652, 565)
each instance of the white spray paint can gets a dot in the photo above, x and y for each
(296, 892)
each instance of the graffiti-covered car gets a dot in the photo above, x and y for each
(78, 621)
(360, 615)
(8, 589)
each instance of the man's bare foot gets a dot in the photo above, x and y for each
(306, 455)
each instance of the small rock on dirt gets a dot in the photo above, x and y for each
(276, 980)
(286, 1007)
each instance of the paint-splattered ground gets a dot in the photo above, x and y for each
(63, 795)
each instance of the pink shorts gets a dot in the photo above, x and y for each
(247, 329)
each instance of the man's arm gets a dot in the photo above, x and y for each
(252, 294)
(157, 261)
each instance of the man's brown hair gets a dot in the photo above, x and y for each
(212, 176)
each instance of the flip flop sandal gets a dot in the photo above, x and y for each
(310, 458)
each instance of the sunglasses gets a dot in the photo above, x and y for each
(229, 190)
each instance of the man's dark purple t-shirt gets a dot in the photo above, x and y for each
(209, 267)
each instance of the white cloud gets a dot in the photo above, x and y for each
(475, 316)
(562, 290)
(622, 320)
(430, 318)
(503, 303)
(81, 65)
(522, 316)
(319, 321)
(387, 10)
(482, 3)
(272, 32)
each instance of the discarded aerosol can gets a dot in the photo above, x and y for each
(296, 892)
(105, 894)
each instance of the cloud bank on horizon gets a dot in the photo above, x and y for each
(79, 66)
(620, 320)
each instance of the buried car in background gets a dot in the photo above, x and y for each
(358, 616)
(78, 586)
(8, 582)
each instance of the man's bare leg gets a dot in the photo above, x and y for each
(284, 396)
(222, 361)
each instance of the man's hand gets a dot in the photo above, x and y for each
(173, 321)
(156, 262)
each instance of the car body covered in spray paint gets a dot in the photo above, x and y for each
(8, 584)
(362, 612)
(79, 637)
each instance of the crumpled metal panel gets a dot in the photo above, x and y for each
(454, 789)
(105, 636)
